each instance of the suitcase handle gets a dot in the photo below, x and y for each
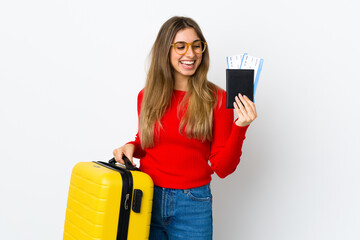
(128, 164)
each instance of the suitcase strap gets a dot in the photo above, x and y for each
(126, 195)
(128, 164)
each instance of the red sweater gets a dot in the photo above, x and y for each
(181, 163)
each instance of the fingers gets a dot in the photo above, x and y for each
(245, 109)
(248, 110)
(128, 150)
(239, 107)
(118, 154)
(251, 104)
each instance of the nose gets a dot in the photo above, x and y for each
(190, 53)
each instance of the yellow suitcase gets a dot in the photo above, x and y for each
(108, 202)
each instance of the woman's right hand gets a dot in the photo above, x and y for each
(128, 150)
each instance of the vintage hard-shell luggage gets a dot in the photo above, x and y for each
(108, 202)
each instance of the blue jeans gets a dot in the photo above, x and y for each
(182, 214)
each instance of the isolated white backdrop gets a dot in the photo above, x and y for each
(70, 72)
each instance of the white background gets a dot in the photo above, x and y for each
(70, 72)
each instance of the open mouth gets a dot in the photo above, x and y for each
(187, 64)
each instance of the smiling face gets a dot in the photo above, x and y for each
(185, 65)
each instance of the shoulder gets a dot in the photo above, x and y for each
(221, 93)
(221, 113)
(140, 95)
(139, 99)
(216, 89)
(220, 96)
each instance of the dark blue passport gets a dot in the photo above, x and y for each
(239, 81)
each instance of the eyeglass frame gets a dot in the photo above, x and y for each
(187, 46)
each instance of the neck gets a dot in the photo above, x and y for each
(181, 83)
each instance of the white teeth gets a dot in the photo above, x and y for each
(188, 62)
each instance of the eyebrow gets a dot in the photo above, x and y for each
(186, 42)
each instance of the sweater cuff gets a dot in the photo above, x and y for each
(138, 153)
(240, 131)
(133, 143)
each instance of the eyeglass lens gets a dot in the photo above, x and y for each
(182, 47)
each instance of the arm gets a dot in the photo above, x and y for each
(228, 136)
(138, 152)
(133, 148)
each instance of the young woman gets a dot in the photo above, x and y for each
(183, 126)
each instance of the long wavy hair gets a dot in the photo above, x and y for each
(199, 101)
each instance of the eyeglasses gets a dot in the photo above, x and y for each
(197, 46)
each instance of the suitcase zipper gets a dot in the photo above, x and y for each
(126, 204)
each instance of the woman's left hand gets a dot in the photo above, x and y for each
(245, 110)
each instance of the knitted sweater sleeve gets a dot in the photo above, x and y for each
(139, 152)
(228, 138)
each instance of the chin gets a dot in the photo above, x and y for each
(188, 72)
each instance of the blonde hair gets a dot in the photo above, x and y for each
(199, 100)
